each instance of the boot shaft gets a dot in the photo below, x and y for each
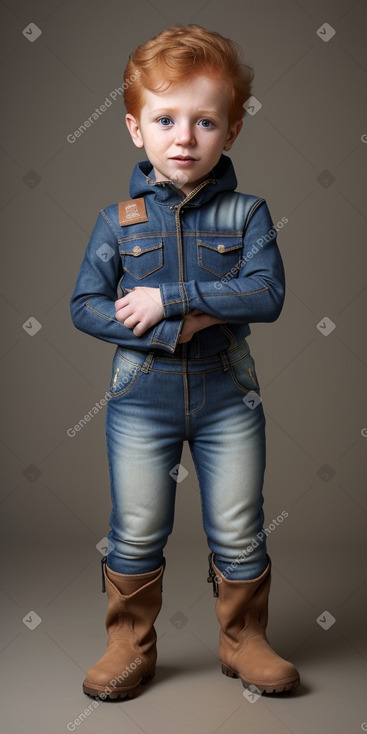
(133, 613)
(241, 605)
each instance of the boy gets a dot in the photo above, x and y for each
(193, 263)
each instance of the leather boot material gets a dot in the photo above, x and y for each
(244, 651)
(134, 602)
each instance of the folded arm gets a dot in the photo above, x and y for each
(256, 291)
(92, 304)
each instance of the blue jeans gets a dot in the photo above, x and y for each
(155, 404)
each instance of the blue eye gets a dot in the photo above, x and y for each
(165, 121)
(205, 123)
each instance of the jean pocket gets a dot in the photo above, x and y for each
(142, 257)
(124, 375)
(244, 375)
(220, 255)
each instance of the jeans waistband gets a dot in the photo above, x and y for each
(152, 362)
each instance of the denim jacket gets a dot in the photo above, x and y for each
(214, 249)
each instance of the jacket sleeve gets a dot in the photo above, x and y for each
(255, 292)
(92, 303)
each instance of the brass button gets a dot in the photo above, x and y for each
(137, 250)
(221, 248)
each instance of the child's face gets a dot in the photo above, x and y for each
(184, 130)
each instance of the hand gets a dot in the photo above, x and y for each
(195, 321)
(140, 309)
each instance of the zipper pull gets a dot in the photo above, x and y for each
(212, 579)
(103, 561)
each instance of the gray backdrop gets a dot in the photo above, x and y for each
(305, 151)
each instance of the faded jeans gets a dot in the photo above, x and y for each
(158, 402)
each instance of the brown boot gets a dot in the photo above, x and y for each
(242, 612)
(129, 661)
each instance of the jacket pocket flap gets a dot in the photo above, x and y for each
(139, 247)
(219, 255)
(222, 245)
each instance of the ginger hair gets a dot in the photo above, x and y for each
(176, 55)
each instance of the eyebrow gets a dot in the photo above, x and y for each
(173, 110)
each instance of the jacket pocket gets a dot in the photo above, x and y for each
(220, 255)
(124, 375)
(142, 257)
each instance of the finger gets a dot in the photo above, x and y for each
(122, 302)
(120, 316)
(139, 329)
(123, 315)
(131, 321)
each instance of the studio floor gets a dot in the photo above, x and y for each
(43, 668)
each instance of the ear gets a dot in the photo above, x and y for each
(233, 131)
(134, 130)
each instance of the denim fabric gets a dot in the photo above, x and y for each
(214, 250)
(157, 403)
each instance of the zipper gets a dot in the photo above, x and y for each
(178, 208)
(164, 567)
(181, 276)
(103, 561)
(212, 579)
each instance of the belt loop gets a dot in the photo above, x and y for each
(147, 362)
(224, 360)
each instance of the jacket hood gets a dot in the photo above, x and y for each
(222, 178)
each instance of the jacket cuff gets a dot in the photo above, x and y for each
(166, 334)
(174, 299)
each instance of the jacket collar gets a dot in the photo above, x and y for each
(143, 183)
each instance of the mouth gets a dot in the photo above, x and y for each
(182, 158)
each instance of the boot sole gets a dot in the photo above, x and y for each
(122, 693)
(288, 685)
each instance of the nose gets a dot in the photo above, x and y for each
(185, 134)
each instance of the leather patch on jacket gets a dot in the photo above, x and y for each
(132, 212)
